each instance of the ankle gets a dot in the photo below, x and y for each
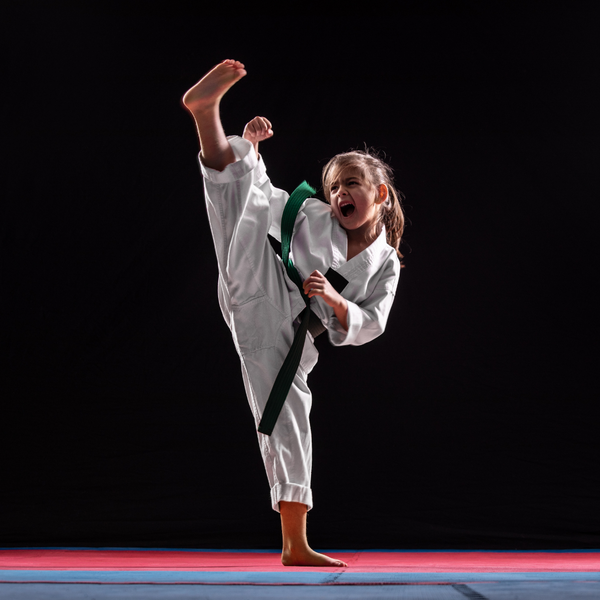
(295, 546)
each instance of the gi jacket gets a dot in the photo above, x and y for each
(319, 243)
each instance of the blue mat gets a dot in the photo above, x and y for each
(278, 578)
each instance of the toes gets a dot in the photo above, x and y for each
(236, 64)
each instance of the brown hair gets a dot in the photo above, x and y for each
(377, 172)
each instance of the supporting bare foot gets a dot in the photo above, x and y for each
(211, 88)
(296, 551)
(306, 557)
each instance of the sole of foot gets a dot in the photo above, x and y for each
(211, 88)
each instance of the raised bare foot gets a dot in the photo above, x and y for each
(212, 87)
(309, 558)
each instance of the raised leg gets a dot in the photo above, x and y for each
(203, 101)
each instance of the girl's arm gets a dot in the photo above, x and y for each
(367, 320)
(256, 131)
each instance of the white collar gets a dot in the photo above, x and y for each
(372, 254)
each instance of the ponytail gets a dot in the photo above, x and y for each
(392, 217)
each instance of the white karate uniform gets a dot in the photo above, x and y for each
(260, 303)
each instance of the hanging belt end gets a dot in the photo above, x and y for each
(265, 429)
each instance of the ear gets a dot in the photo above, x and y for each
(382, 191)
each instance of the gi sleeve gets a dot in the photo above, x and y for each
(277, 198)
(367, 319)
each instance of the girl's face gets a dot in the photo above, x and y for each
(356, 201)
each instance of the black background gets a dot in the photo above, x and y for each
(469, 424)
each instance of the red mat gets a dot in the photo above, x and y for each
(358, 561)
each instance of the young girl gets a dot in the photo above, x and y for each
(261, 304)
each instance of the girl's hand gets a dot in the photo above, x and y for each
(318, 285)
(257, 130)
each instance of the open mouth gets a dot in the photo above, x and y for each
(347, 209)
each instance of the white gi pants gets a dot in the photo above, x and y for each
(259, 304)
